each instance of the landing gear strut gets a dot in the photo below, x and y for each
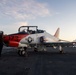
(22, 51)
(60, 49)
(35, 49)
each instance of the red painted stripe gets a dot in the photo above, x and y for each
(13, 44)
(13, 40)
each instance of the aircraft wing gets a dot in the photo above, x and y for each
(63, 44)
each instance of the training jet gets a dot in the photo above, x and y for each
(32, 37)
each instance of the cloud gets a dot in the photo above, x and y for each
(21, 24)
(13, 28)
(23, 9)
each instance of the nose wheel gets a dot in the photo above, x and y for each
(22, 51)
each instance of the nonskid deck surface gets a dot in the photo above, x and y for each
(49, 62)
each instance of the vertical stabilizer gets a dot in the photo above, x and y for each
(57, 33)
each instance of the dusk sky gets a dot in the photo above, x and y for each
(46, 14)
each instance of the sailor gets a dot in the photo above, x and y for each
(1, 42)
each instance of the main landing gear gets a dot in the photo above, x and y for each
(60, 49)
(35, 49)
(22, 51)
(39, 48)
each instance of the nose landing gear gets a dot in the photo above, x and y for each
(22, 51)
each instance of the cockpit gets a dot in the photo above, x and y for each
(40, 31)
(30, 30)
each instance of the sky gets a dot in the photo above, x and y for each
(46, 14)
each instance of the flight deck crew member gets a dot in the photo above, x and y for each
(1, 41)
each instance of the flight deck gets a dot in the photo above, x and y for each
(49, 62)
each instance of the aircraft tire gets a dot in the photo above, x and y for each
(19, 52)
(22, 52)
(61, 52)
(35, 50)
